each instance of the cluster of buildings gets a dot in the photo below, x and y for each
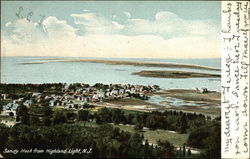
(10, 108)
(79, 96)
(202, 90)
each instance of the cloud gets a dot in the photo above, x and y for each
(8, 24)
(167, 36)
(91, 23)
(58, 28)
(169, 25)
(23, 31)
(127, 14)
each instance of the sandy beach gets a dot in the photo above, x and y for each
(133, 63)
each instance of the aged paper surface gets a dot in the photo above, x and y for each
(235, 79)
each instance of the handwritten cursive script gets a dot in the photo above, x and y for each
(235, 79)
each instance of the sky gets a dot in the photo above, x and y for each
(118, 29)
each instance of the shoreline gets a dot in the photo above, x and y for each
(175, 74)
(207, 103)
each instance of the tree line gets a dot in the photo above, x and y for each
(42, 127)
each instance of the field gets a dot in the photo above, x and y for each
(155, 135)
(152, 135)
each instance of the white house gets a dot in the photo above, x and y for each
(79, 98)
(9, 112)
(36, 94)
(121, 91)
(101, 94)
(68, 97)
(4, 96)
(95, 96)
(28, 103)
(52, 103)
(66, 86)
(204, 90)
(132, 90)
(107, 94)
(9, 109)
(114, 92)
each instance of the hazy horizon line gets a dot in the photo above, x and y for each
(115, 57)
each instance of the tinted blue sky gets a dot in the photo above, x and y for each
(190, 10)
(141, 28)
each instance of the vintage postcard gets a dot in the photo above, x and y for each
(124, 79)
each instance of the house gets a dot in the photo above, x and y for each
(69, 106)
(86, 99)
(80, 98)
(127, 90)
(107, 94)
(126, 95)
(58, 103)
(52, 103)
(66, 86)
(68, 97)
(101, 94)
(203, 90)
(57, 97)
(47, 97)
(86, 90)
(141, 89)
(10, 109)
(11, 106)
(28, 103)
(132, 90)
(63, 103)
(95, 96)
(121, 91)
(4, 96)
(36, 94)
(114, 92)
(9, 112)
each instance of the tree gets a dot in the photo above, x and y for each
(147, 150)
(129, 118)
(59, 118)
(184, 150)
(105, 115)
(189, 152)
(11, 114)
(151, 122)
(183, 124)
(46, 121)
(83, 115)
(3, 137)
(135, 142)
(197, 138)
(138, 126)
(166, 149)
(34, 120)
(47, 113)
(213, 145)
(71, 115)
(23, 113)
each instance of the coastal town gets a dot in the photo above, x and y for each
(117, 108)
(76, 96)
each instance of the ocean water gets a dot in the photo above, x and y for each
(13, 71)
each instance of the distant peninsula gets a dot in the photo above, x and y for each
(134, 63)
(175, 74)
